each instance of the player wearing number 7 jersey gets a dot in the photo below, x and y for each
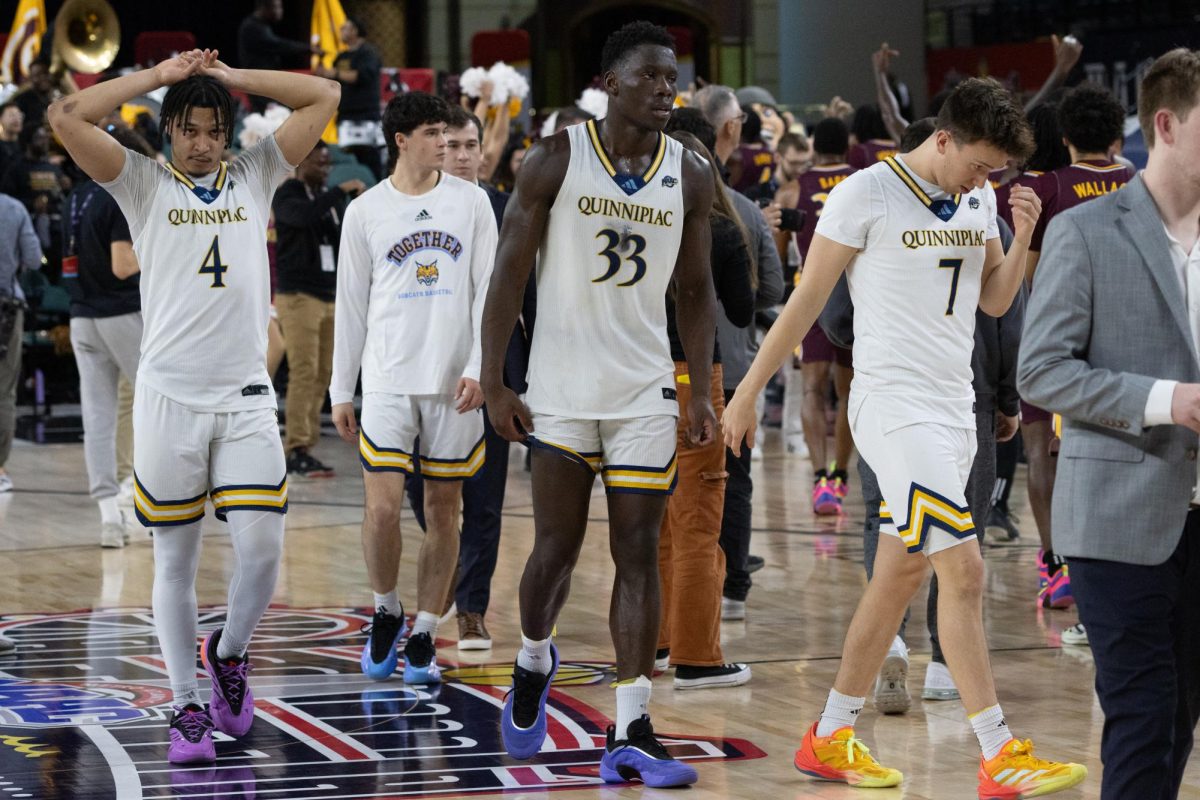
(917, 237)
(619, 211)
(204, 410)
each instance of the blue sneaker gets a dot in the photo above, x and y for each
(420, 661)
(379, 657)
(642, 757)
(523, 722)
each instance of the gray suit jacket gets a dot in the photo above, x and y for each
(1106, 318)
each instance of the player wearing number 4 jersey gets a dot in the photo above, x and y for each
(619, 210)
(204, 409)
(917, 237)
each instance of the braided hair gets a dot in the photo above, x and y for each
(198, 91)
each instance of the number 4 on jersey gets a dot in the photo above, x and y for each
(212, 265)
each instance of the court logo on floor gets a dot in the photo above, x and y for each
(85, 701)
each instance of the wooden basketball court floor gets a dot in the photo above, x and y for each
(82, 705)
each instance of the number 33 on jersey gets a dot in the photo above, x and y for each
(608, 256)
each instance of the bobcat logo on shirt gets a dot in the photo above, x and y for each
(427, 274)
(973, 203)
(669, 182)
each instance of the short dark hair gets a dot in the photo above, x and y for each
(691, 120)
(980, 109)
(1091, 118)
(752, 127)
(630, 36)
(831, 137)
(1049, 152)
(916, 133)
(407, 112)
(791, 141)
(1173, 81)
(198, 91)
(867, 124)
(461, 118)
(358, 24)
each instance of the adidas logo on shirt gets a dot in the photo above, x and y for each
(423, 216)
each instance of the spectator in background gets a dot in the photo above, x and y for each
(308, 225)
(871, 142)
(11, 120)
(38, 94)
(774, 124)
(19, 251)
(100, 271)
(259, 47)
(505, 176)
(720, 107)
(357, 69)
(753, 162)
(39, 185)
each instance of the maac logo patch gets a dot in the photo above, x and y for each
(86, 701)
(427, 274)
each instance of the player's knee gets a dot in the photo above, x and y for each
(381, 515)
(962, 574)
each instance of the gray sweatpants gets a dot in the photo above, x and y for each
(979, 497)
(105, 348)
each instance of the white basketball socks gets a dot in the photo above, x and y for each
(389, 602)
(426, 622)
(841, 710)
(991, 730)
(534, 655)
(633, 696)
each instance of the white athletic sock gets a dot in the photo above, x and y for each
(426, 622)
(110, 510)
(841, 710)
(991, 730)
(632, 699)
(534, 655)
(389, 602)
(257, 538)
(176, 557)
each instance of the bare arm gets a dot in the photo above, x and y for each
(695, 300)
(1066, 53)
(495, 139)
(1004, 272)
(74, 118)
(881, 59)
(312, 100)
(124, 261)
(525, 221)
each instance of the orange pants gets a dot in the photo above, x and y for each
(691, 564)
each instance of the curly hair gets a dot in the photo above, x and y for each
(198, 91)
(831, 137)
(980, 109)
(1091, 118)
(630, 36)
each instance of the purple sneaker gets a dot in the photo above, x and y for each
(191, 736)
(642, 757)
(232, 705)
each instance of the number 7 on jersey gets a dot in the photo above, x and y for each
(212, 265)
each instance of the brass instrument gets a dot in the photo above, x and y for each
(87, 37)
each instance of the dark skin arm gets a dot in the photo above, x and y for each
(695, 299)
(524, 225)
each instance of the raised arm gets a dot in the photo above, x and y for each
(881, 60)
(312, 100)
(695, 300)
(525, 221)
(1066, 53)
(74, 118)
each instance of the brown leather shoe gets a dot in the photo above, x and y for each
(472, 633)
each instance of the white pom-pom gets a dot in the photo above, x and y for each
(506, 83)
(595, 102)
(549, 124)
(256, 127)
(471, 81)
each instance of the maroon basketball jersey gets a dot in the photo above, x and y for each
(758, 166)
(871, 152)
(815, 186)
(1070, 186)
(1028, 178)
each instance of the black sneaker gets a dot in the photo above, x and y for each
(642, 756)
(688, 677)
(527, 690)
(755, 563)
(301, 462)
(1001, 528)
(379, 657)
(662, 660)
(420, 660)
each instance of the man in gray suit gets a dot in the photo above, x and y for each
(1111, 345)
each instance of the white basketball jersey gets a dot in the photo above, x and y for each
(205, 283)
(915, 285)
(600, 348)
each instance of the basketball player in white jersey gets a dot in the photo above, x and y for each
(621, 214)
(415, 258)
(917, 236)
(204, 409)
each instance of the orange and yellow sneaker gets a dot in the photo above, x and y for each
(1016, 772)
(843, 758)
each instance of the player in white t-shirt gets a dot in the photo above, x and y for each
(204, 409)
(917, 237)
(415, 259)
(619, 211)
